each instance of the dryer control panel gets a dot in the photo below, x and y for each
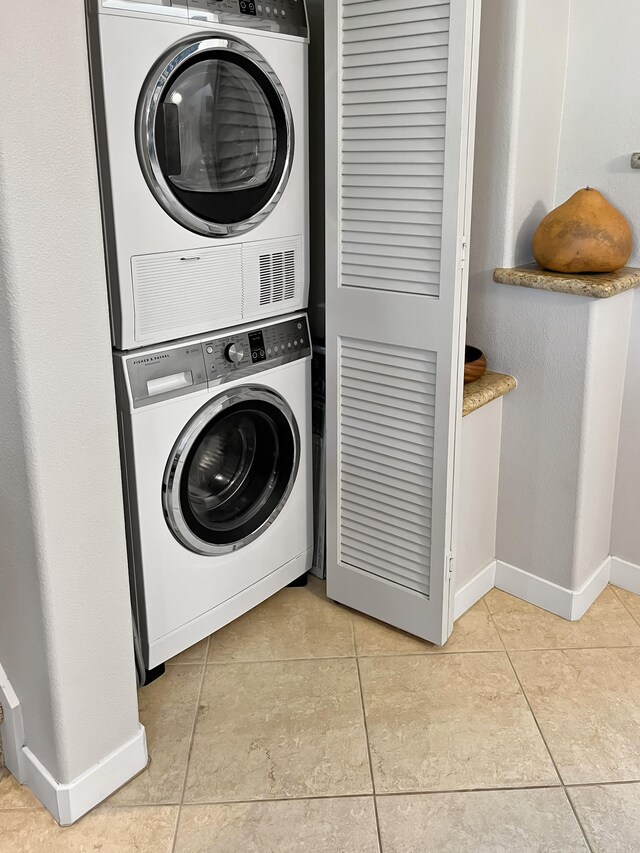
(244, 353)
(288, 17)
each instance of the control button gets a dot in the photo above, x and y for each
(275, 11)
(284, 13)
(269, 351)
(261, 353)
(254, 356)
(234, 353)
(267, 9)
(289, 344)
(210, 350)
(295, 343)
(299, 325)
(260, 8)
(275, 349)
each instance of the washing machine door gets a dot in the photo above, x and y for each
(231, 471)
(215, 136)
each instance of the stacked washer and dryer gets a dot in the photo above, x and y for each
(201, 120)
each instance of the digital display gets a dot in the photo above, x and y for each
(247, 7)
(256, 343)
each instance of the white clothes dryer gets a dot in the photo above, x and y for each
(216, 444)
(201, 127)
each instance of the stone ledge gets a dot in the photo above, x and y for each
(489, 387)
(593, 285)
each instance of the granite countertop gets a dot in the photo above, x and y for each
(595, 285)
(482, 391)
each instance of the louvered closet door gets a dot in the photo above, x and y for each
(401, 77)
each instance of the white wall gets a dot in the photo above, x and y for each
(600, 130)
(625, 530)
(557, 86)
(65, 629)
(477, 496)
(523, 48)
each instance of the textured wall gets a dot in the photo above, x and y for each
(477, 499)
(556, 83)
(523, 49)
(65, 630)
(600, 130)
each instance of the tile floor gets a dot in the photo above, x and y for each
(306, 727)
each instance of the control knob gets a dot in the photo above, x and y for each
(234, 353)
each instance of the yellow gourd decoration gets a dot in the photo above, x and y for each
(586, 234)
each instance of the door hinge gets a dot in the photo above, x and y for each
(463, 252)
(450, 564)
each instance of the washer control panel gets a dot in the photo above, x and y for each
(244, 353)
(162, 374)
(155, 375)
(282, 16)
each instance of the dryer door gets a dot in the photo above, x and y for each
(231, 471)
(215, 136)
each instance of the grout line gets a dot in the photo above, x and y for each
(364, 795)
(544, 740)
(601, 784)
(367, 795)
(535, 719)
(495, 624)
(559, 648)
(366, 734)
(579, 822)
(353, 638)
(624, 604)
(191, 739)
(426, 654)
(278, 660)
(572, 649)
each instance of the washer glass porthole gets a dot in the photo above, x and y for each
(231, 471)
(215, 136)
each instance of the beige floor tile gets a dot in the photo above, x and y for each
(295, 623)
(123, 830)
(630, 600)
(473, 632)
(587, 702)
(296, 826)
(167, 711)
(610, 816)
(13, 795)
(523, 626)
(526, 821)
(279, 729)
(194, 654)
(443, 722)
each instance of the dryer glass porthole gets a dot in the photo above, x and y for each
(215, 136)
(231, 471)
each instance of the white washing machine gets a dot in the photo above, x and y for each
(201, 120)
(216, 441)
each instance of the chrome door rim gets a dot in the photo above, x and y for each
(175, 467)
(156, 83)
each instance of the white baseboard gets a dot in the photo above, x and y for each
(625, 574)
(474, 589)
(570, 604)
(584, 597)
(12, 729)
(69, 802)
